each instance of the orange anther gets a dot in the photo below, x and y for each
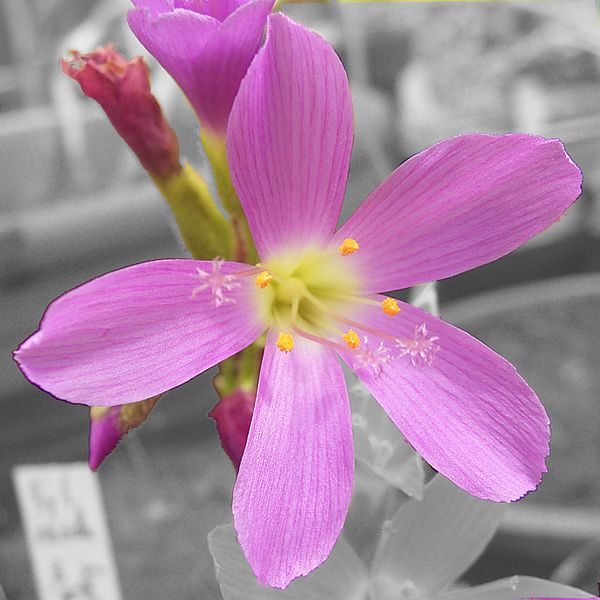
(351, 338)
(390, 307)
(285, 342)
(264, 279)
(349, 246)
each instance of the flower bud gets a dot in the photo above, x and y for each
(122, 88)
(108, 424)
(233, 414)
(206, 46)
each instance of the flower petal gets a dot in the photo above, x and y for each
(289, 142)
(207, 58)
(225, 60)
(137, 332)
(342, 576)
(468, 413)
(219, 9)
(429, 543)
(516, 588)
(295, 480)
(460, 204)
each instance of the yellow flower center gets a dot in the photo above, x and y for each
(306, 291)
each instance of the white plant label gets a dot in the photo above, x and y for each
(66, 532)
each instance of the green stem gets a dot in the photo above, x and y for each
(244, 249)
(205, 230)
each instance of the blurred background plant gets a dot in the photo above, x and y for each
(74, 203)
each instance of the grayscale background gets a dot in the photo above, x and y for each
(74, 203)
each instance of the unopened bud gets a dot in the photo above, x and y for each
(108, 424)
(122, 88)
(233, 414)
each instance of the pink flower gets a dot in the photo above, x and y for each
(122, 88)
(137, 332)
(206, 46)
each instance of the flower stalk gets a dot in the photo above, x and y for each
(204, 229)
(244, 248)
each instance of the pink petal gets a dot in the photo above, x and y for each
(516, 588)
(219, 9)
(295, 480)
(468, 413)
(137, 332)
(430, 543)
(341, 577)
(460, 204)
(290, 137)
(207, 58)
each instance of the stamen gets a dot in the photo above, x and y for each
(422, 348)
(218, 283)
(285, 342)
(390, 307)
(319, 340)
(335, 296)
(351, 338)
(349, 246)
(369, 359)
(309, 336)
(264, 279)
(363, 326)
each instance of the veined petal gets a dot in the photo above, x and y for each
(295, 480)
(289, 142)
(463, 407)
(207, 58)
(516, 588)
(460, 204)
(431, 542)
(137, 332)
(219, 9)
(175, 38)
(342, 576)
(224, 61)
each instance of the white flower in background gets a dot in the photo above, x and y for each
(425, 547)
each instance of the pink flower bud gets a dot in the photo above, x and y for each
(233, 415)
(108, 424)
(122, 88)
